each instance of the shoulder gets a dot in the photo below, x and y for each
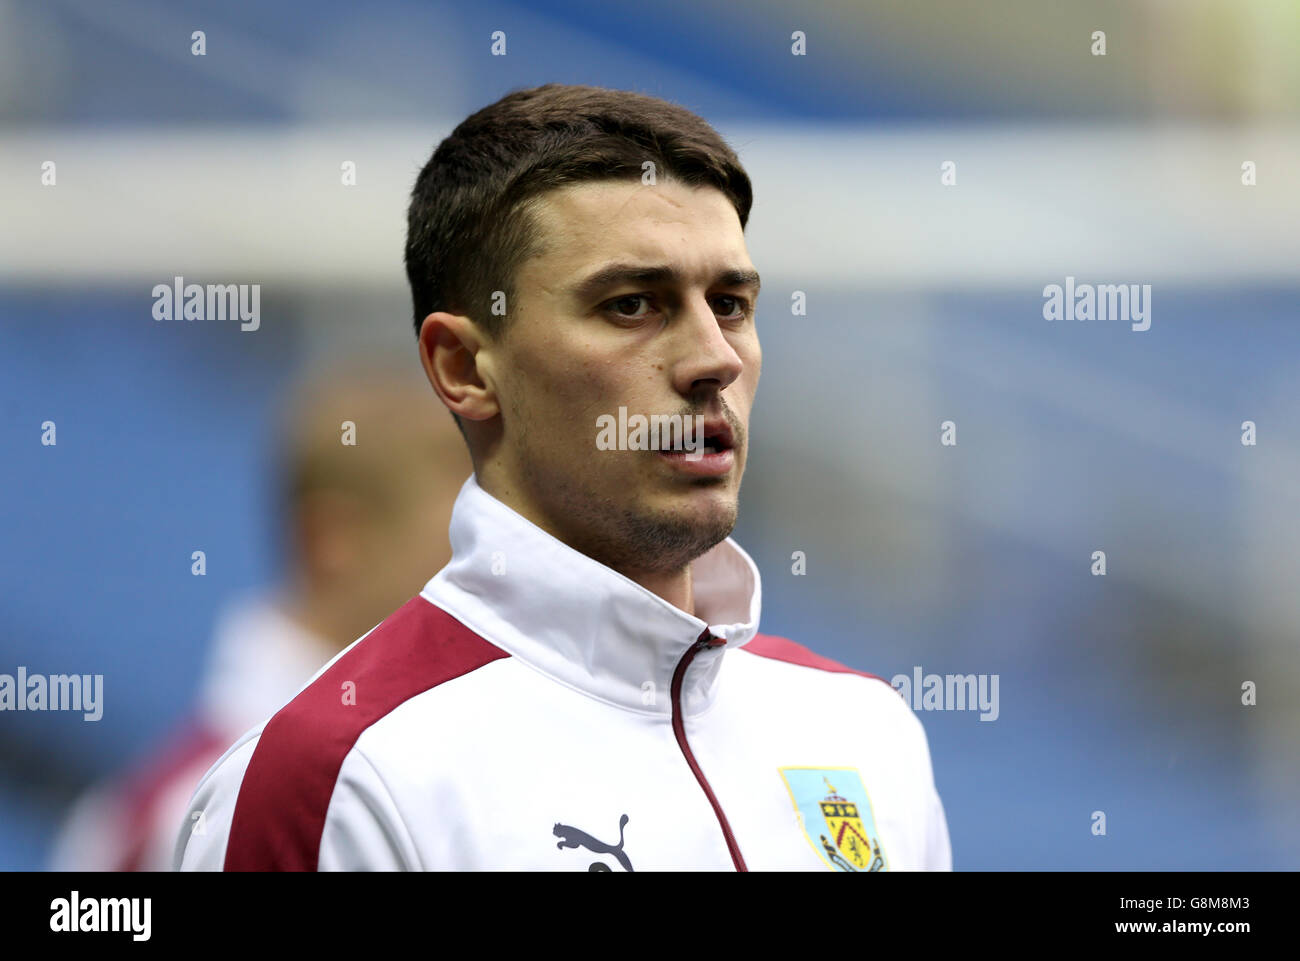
(802, 670)
(791, 652)
(286, 773)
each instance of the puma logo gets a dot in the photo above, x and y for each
(571, 837)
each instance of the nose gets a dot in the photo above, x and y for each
(707, 357)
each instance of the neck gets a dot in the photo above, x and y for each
(677, 587)
(674, 586)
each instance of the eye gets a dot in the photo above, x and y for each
(740, 307)
(613, 305)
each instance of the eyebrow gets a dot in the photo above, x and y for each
(613, 274)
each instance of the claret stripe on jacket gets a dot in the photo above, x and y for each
(280, 813)
(784, 649)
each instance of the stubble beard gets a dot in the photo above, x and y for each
(661, 542)
(631, 538)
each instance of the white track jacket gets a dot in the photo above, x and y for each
(532, 709)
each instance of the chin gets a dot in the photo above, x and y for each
(708, 510)
(696, 498)
(662, 530)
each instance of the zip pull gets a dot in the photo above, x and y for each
(706, 639)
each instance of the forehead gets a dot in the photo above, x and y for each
(605, 221)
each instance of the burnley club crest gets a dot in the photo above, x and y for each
(836, 817)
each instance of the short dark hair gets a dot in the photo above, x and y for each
(470, 224)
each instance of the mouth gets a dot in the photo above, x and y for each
(714, 458)
(717, 437)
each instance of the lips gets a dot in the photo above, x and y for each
(717, 436)
(714, 458)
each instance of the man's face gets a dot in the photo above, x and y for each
(680, 343)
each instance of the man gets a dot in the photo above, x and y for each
(583, 686)
(362, 524)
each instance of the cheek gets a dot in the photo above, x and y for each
(753, 368)
(742, 392)
(753, 355)
(581, 392)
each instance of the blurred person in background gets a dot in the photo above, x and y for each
(363, 524)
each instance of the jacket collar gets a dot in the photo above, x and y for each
(583, 624)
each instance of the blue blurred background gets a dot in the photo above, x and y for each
(1119, 693)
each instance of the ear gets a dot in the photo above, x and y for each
(450, 345)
